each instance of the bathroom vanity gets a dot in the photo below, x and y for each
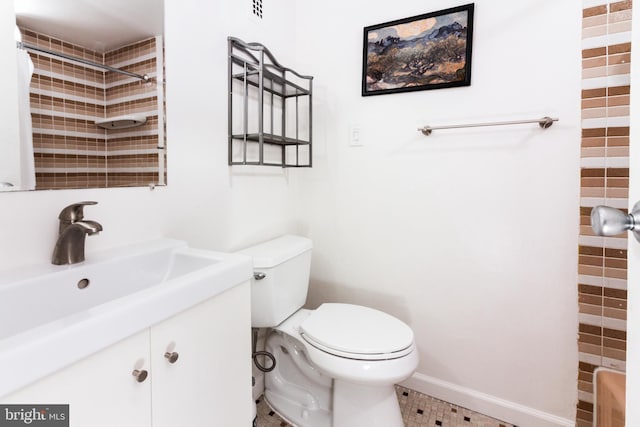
(187, 369)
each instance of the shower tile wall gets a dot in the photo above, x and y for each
(67, 97)
(602, 269)
(133, 153)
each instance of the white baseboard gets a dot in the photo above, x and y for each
(504, 410)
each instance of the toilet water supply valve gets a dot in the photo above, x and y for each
(257, 354)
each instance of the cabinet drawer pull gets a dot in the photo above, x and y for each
(171, 357)
(140, 374)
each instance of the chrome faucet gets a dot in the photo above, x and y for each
(72, 233)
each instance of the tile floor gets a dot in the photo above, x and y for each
(418, 410)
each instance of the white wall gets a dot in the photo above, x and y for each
(470, 236)
(205, 202)
(211, 204)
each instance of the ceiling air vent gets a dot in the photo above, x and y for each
(257, 8)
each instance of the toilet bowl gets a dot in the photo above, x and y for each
(336, 366)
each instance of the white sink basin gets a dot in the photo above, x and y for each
(48, 320)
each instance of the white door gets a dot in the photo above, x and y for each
(100, 389)
(205, 378)
(633, 278)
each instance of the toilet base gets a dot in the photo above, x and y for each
(382, 409)
(306, 397)
(299, 393)
(353, 405)
(296, 414)
(362, 405)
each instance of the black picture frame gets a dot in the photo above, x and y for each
(423, 52)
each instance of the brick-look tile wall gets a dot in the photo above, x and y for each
(602, 269)
(67, 97)
(133, 152)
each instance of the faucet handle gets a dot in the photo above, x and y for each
(74, 212)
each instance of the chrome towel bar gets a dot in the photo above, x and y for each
(544, 123)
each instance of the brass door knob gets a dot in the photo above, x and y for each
(171, 357)
(140, 374)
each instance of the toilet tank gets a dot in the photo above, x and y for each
(285, 263)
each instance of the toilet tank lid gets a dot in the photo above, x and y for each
(274, 252)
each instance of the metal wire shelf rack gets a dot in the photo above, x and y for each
(270, 109)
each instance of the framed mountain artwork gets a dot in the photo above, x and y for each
(430, 51)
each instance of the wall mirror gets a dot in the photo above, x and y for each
(91, 95)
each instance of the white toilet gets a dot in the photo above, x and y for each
(336, 366)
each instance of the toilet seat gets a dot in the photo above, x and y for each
(357, 332)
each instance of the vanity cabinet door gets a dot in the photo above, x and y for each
(209, 384)
(100, 389)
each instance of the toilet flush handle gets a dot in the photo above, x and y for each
(259, 276)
